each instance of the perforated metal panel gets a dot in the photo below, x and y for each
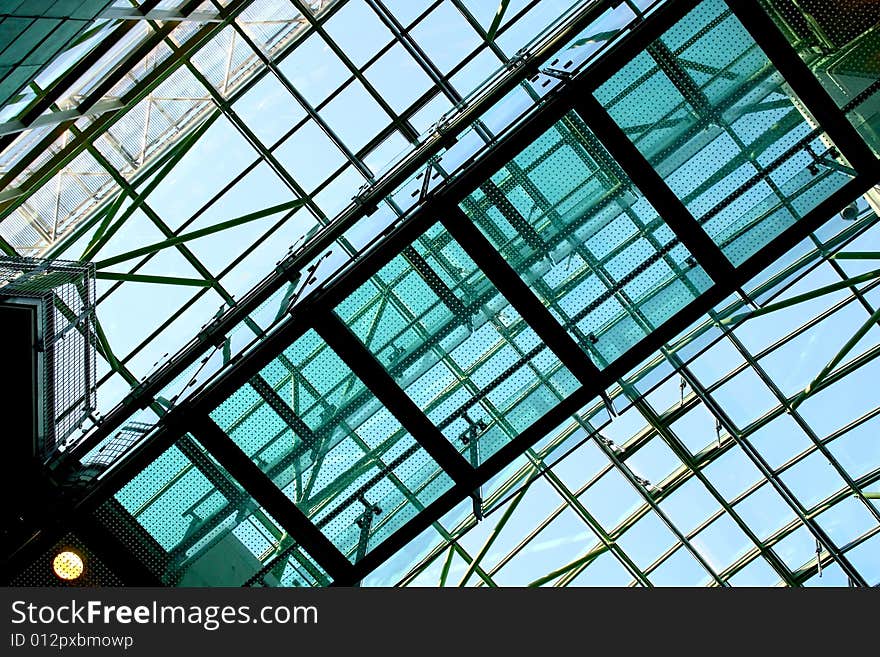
(67, 340)
(568, 219)
(839, 41)
(768, 163)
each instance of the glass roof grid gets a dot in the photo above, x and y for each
(179, 500)
(807, 429)
(572, 498)
(780, 170)
(747, 562)
(664, 488)
(194, 70)
(779, 484)
(651, 494)
(792, 540)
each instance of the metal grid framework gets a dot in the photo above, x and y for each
(66, 291)
(447, 376)
(100, 164)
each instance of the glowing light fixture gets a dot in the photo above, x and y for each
(68, 565)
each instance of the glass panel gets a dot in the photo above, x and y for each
(706, 107)
(592, 248)
(207, 530)
(310, 424)
(456, 346)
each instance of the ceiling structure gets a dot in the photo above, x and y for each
(543, 293)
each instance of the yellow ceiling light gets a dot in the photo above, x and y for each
(68, 565)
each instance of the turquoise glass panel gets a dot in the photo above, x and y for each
(213, 532)
(456, 346)
(588, 243)
(708, 109)
(342, 456)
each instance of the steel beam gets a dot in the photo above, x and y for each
(803, 82)
(365, 366)
(519, 295)
(651, 184)
(269, 496)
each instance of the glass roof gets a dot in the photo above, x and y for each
(238, 123)
(619, 331)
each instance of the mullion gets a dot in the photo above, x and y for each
(813, 565)
(264, 491)
(365, 366)
(477, 395)
(536, 530)
(725, 505)
(650, 502)
(655, 189)
(803, 83)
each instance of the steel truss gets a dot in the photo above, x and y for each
(575, 100)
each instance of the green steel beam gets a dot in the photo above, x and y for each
(145, 278)
(838, 358)
(857, 255)
(202, 232)
(496, 530)
(175, 154)
(801, 298)
(496, 22)
(585, 560)
(444, 573)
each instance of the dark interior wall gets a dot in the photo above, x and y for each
(18, 334)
